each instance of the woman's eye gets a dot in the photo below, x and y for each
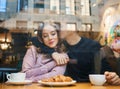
(44, 36)
(53, 33)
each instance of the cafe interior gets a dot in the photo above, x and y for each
(19, 21)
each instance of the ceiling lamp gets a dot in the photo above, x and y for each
(5, 42)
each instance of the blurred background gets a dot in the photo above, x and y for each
(19, 20)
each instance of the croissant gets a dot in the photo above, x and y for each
(59, 78)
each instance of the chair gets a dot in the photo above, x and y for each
(107, 53)
(4, 71)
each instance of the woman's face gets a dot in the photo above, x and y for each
(50, 36)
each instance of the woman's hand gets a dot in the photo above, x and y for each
(112, 78)
(60, 58)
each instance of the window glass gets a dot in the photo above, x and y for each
(54, 6)
(39, 5)
(86, 27)
(70, 7)
(85, 7)
(71, 27)
(2, 5)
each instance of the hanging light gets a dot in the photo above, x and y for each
(4, 46)
(5, 43)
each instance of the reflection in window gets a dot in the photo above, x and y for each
(54, 6)
(70, 7)
(21, 24)
(25, 5)
(22, 5)
(85, 7)
(71, 27)
(58, 24)
(39, 5)
(36, 24)
(86, 27)
(2, 5)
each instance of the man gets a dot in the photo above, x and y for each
(82, 51)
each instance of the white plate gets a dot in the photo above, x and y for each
(19, 83)
(57, 83)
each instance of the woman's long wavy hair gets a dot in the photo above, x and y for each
(60, 47)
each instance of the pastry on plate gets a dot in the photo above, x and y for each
(59, 78)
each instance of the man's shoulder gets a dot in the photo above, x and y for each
(90, 41)
(92, 44)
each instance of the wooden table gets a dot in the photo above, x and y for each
(76, 86)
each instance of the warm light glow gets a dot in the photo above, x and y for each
(35, 32)
(8, 39)
(4, 46)
(3, 40)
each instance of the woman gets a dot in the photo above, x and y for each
(38, 64)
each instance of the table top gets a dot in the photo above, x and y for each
(75, 86)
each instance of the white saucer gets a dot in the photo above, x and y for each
(19, 83)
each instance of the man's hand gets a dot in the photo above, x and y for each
(112, 78)
(60, 58)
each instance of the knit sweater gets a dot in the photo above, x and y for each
(83, 52)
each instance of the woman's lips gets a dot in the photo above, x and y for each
(51, 42)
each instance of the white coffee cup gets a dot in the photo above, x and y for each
(16, 77)
(97, 79)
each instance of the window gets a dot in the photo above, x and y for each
(36, 24)
(21, 24)
(86, 27)
(2, 5)
(71, 26)
(85, 7)
(25, 5)
(54, 6)
(22, 5)
(39, 5)
(70, 7)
